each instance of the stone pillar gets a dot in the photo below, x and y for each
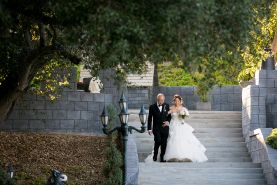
(253, 108)
(111, 85)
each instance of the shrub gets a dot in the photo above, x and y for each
(174, 75)
(114, 165)
(5, 179)
(272, 139)
(113, 168)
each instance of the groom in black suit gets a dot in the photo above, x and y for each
(159, 113)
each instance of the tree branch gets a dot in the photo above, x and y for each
(42, 34)
(28, 37)
(54, 34)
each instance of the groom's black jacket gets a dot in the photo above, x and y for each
(158, 118)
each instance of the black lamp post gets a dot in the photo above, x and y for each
(124, 129)
(10, 170)
(122, 102)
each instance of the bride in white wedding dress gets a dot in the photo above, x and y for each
(182, 145)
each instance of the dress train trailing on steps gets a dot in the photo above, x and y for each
(182, 145)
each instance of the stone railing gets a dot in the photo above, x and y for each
(132, 162)
(262, 153)
(258, 108)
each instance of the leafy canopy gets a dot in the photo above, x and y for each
(207, 36)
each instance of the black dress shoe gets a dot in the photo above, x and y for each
(162, 160)
(154, 158)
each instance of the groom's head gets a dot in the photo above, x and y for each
(160, 98)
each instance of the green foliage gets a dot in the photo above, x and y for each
(114, 165)
(173, 75)
(113, 169)
(272, 139)
(115, 34)
(261, 36)
(51, 78)
(4, 179)
(207, 36)
(78, 72)
(112, 115)
(25, 178)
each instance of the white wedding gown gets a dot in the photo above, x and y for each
(182, 145)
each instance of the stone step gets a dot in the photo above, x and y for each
(211, 149)
(149, 148)
(209, 153)
(203, 139)
(136, 121)
(217, 135)
(228, 162)
(226, 124)
(147, 141)
(222, 116)
(219, 176)
(227, 154)
(202, 181)
(163, 169)
(136, 111)
(200, 135)
(212, 159)
(201, 114)
(219, 118)
(204, 124)
(223, 139)
(218, 130)
(230, 159)
(204, 165)
(215, 130)
(205, 143)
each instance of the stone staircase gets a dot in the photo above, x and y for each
(229, 162)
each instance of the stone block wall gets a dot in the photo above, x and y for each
(226, 98)
(253, 110)
(259, 101)
(188, 94)
(258, 112)
(271, 111)
(74, 111)
(138, 96)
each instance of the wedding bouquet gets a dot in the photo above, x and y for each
(183, 113)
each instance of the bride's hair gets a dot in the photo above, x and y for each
(177, 96)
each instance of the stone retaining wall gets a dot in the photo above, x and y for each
(226, 98)
(74, 111)
(258, 109)
(259, 101)
(132, 162)
(138, 96)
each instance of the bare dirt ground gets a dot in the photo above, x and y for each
(81, 158)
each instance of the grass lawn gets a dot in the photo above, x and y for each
(81, 158)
